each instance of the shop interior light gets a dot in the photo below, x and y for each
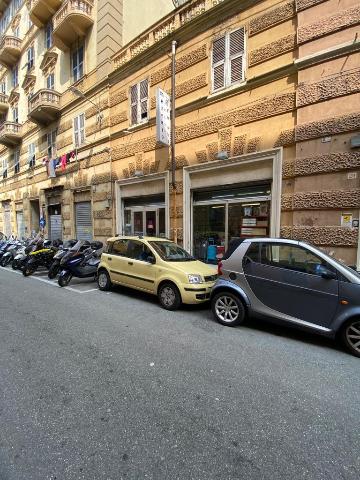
(251, 204)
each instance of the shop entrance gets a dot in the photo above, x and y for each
(145, 216)
(34, 216)
(55, 222)
(222, 215)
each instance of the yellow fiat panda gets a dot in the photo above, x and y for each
(158, 266)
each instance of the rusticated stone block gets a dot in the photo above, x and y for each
(288, 169)
(118, 97)
(225, 137)
(99, 178)
(201, 156)
(212, 150)
(100, 196)
(179, 233)
(132, 168)
(67, 231)
(286, 201)
(154, 167)
(326, 235)
(126, 173)
(186, 87)
(66, 216)
(81, 180)
(179, 187)
(254, 144)
(119, 118)
(64, 126)
(146, 166)
(185, 61)
(327, 199)
(329, 24)
(273, 49)
(97, 159)
(180, 162)
(262, 109)
(331, 162)
(64, 142)
(239, 145)
(138, 161)
(103, 213)
(273, 17)
(103, 232)
(176, 213)
(304, 4)
(336, 86)
(144, 145)
(93, 110)
(286, 137)
(330, 126)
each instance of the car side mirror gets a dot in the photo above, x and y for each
(329, 275)
(151, 259)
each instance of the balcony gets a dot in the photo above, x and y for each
(73, 20)
(10, 134)
(4, 103)
(10, 50)
(41, 11)
(44, 106)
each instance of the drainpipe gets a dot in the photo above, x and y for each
(173, 163)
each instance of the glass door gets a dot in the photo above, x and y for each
(149, 221)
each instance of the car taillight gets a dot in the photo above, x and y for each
(219, 268)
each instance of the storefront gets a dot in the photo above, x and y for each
(142, 206)
(228, 199)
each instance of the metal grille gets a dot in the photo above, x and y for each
(84, 228)
(55, 227)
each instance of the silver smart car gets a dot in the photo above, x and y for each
(288, 282)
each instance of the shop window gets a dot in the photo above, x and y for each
(77, 60)
(79, 130)
(139, 102)
(228, 60)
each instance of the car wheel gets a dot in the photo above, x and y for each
(169, 296)
(350, 334)
(103, 280)
(228, 309)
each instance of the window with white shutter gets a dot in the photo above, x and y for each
(139, 102)
(79, 130)
(228, 59)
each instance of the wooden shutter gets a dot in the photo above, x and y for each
(134, 104)
(236, 55)
(218, 63)
(76, 131)
(82, 128)
(144, 100)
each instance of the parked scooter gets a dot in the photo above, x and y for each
(80, 263)
(10, 253)
(21, 257)
(42, 257)
(55, 266)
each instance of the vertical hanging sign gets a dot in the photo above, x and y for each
(163, 117)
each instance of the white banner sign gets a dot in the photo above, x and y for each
(163, 117)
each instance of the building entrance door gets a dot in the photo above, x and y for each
(149, 221)
(55, 222)
(7, 219)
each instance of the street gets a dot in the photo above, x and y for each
(109, 386)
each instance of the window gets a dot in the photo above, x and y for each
(252, 253)
(4, 167)
(48, 35)
(3, 87)
(16, 161)
(228, 59)
(119, 247)
(139, 102)
(51, 141)
(31, 155)
(50, 81)
(17, 32)
(138, 251)
(78, 63)
(293, 258)
(15, 76)
(15, 114)
(29, 97)
(30, 58)
(79, 130)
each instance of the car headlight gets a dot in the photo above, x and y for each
(195, 279)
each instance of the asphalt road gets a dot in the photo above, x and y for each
(100, 386)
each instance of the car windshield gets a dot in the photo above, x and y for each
(171, 252)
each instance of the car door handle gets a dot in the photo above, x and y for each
(130, 263)
(110, 259)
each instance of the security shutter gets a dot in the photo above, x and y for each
(7, 220)
(55, 227)
(83, 221)
(20, 225)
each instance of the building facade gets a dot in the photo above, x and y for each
(267, 128)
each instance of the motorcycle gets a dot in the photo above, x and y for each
(81, 261)
(22, 255)
(55, 266)
(42, 257)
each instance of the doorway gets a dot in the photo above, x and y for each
(83, 221)
(34, 216)
(145, 216)
(55, 222)
(7, 219)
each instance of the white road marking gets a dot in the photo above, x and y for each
(50, 282)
